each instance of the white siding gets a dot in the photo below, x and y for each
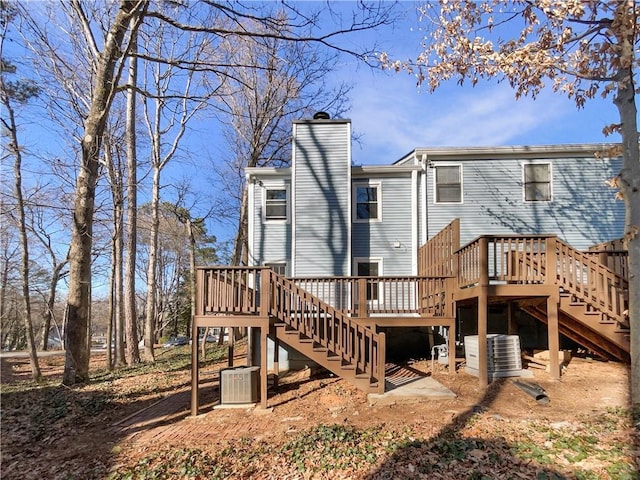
(391, 238)
(321, 198)
(583, 210)
(271, 241)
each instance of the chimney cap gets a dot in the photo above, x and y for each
(321, 116)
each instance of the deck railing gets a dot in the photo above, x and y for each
(260, 291)
(437, 256)
(229, 290)
(515, 259)
(365, 296)
(543, 259)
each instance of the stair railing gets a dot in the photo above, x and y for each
(326, 326)
(590, 281)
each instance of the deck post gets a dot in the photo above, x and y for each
(264, 365)
(276, 360)
(483, 287)
(512, 327)
(483, 362)
(362, 297)
(451, 312)
(265, 306)
(194, 367)
(554, 336)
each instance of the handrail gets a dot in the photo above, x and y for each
(224, 289)
(328, 327)
(592, 282)
(507, 259)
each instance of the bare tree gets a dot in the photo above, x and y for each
(583, 49)
(172, 101)
(19, 91)
(105, 40)
(286, 81)
(108, 62)
(43, 227)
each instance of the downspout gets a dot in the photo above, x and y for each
(423, 198)
(414, 223)
(250, 218)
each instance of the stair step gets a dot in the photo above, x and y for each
(333, 358)
(305, 340)
(348, 367)
(320, 349)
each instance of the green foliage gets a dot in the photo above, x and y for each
(169, 464)
(327, 447)
(20, 90)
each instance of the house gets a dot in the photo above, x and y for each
(347, 260)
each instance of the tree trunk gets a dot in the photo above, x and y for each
(48, 314)
(150, 312)
(629, 182)
(24, 242)
(129, 296)
(240, 250)
(76, 368)
(630, 188)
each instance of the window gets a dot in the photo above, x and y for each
(275, 204)
(448, 181)
(367, 202)
(279, 267)
(537, 182)
(369, 268)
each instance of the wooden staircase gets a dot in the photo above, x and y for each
(593, 303)
(587, 327)
(337, 342)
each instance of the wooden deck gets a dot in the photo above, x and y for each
(339, 321)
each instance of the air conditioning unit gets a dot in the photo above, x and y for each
(239, 385)
(503, 355)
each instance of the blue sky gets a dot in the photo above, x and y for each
(394, 116)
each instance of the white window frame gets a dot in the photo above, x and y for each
(435, 183)
(378, 260)
(354, 201)
(280, 267)
(265, 189)
(524, 184)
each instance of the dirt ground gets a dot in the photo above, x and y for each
(161, 417)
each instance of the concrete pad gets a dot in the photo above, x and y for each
(423, 388)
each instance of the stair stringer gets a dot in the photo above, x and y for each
(603, 338)
(323, 357)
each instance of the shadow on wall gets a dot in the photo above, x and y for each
(581, 217)
(331, 233)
